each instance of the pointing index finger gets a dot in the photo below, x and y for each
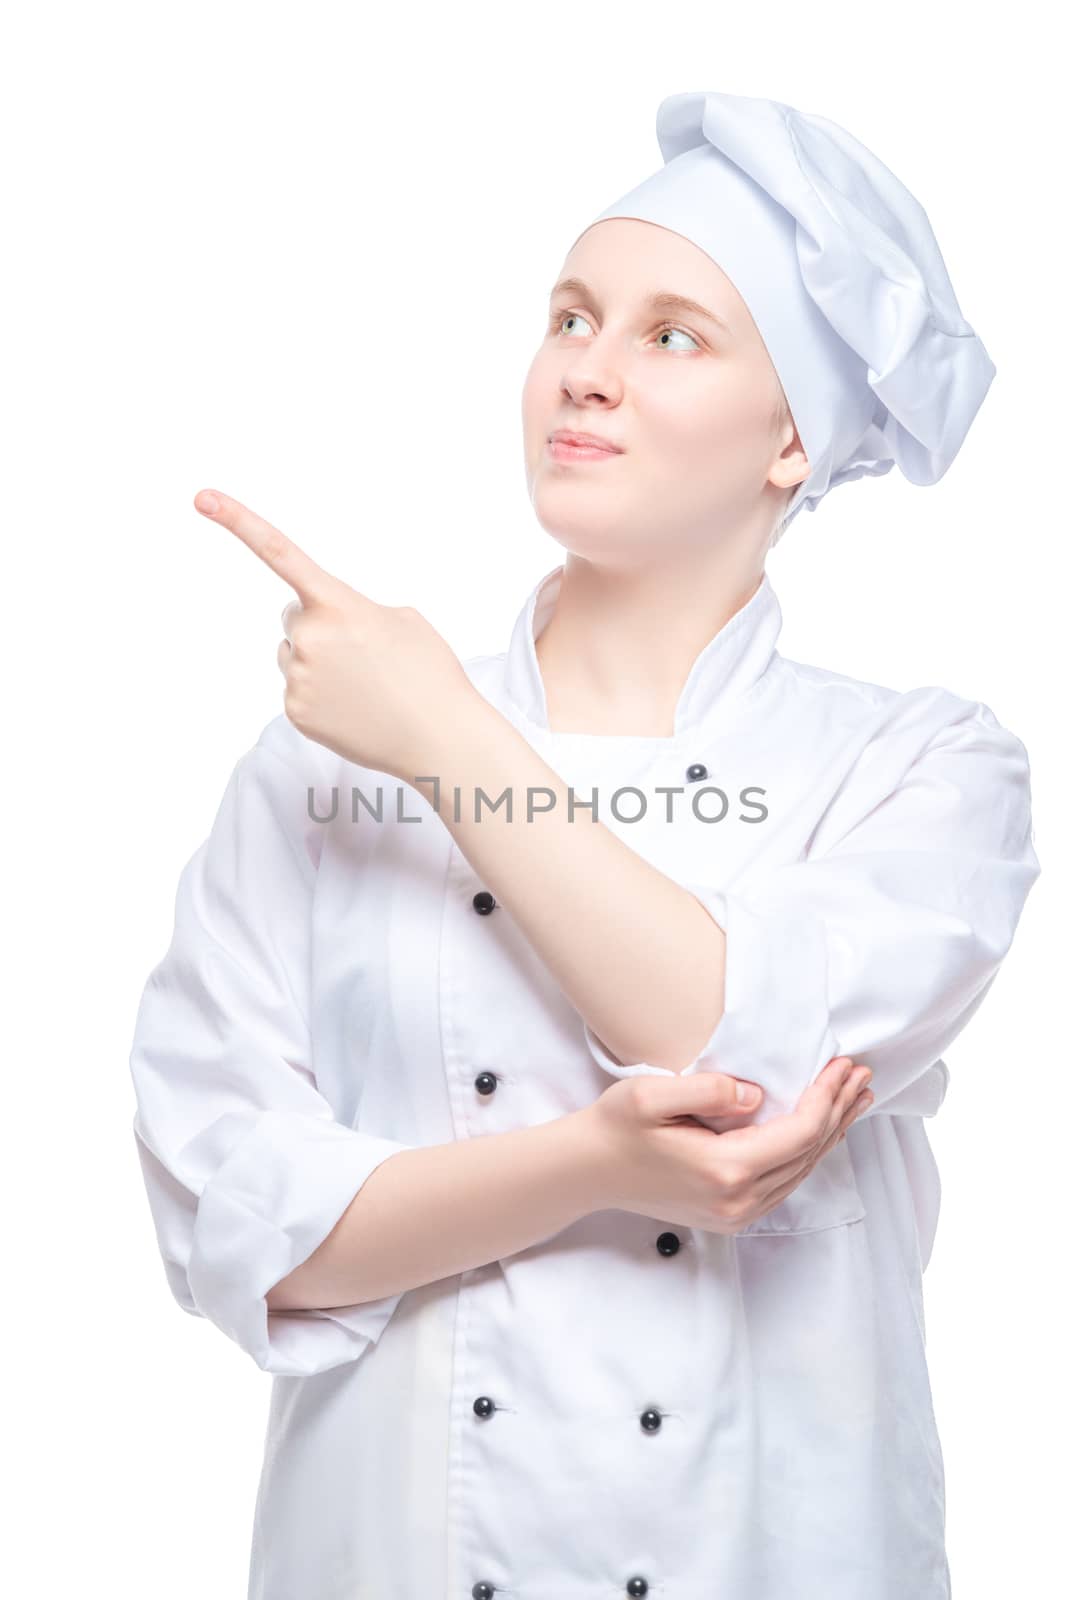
(278, 552)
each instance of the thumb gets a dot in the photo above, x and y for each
(711, 1094)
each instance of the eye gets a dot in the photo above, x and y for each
(562, 317)
(669, 329)
(565, 316)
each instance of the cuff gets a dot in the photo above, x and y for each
(270, 1204)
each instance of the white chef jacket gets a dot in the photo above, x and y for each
(628, 1407)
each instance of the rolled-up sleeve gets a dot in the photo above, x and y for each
(881, 943)
(247, 1169)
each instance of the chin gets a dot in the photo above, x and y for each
(590, 539)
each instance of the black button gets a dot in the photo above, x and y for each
(483, 1591)
(486, 1082)
(483, 1406)
(483, 902)
(637, 1586)
(668, 1244)
(651, 1420)
(695, 773)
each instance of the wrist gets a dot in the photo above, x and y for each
(590, 1163)
(453, 733)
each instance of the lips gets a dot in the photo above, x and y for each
(590, 441)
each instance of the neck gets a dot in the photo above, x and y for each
(619, 645)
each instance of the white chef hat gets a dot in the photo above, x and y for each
(841, 273)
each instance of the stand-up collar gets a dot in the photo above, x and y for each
(728, 665)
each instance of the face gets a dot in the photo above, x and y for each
(708, 448)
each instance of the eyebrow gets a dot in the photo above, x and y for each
(663, 301)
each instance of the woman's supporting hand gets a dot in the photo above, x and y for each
(658, 1162)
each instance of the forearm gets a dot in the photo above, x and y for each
(638, 956)
(431, 1212)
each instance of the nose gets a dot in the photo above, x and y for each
(586, 384)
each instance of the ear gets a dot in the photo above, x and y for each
(792, 465)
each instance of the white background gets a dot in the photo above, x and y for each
(303, 254)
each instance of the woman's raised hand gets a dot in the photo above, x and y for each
(660, 1163)
(375, 683)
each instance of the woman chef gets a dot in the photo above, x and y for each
(436, 1082)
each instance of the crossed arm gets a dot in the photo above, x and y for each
(878, 945)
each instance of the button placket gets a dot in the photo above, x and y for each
(484, 902)
(484, 1408)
